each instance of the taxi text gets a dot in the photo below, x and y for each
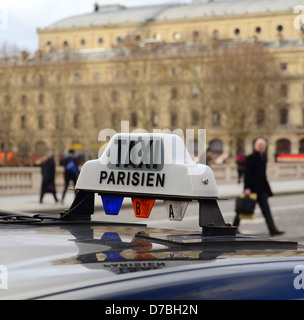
(148, 179)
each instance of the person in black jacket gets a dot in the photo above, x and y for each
(255, 181)
(48, 178)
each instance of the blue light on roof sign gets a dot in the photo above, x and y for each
(112, 205)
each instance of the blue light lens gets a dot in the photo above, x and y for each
(112, 205)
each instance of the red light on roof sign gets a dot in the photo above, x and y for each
(142, 207)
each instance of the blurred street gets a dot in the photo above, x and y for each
(287, 207)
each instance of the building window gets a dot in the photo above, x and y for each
(22, 122)
(154, 118)
(58, 99)
(114, 96)
(119, 40)
(154, 95)
(157, 36)
(7, 100)
(135, 73)
(40, 122)
(260, 120)
(115, 74)
(100, 41)
(260, 91)
(154, 72)
(284, 90)
(175, 72)
(134, 94)
(258, 30)
(65, 44)
(237, 31)
(41, 80)
(194, 118)
(174, 94)
(77, 99)
(77, 76)
(95, 97)
(280, 28)
(195, 92)
(83, 42)
(176, 36)
(41, 99)
(76, 121)
(216, 119)
(113, 119)
(24, 100)
(283, 146)
(283, 116)
(216, 146)
(174, 119)
(301, 146)
(58, 77)
(283, 66)
(195, 36)
(215, 34)
(134, 119)
(96, 76)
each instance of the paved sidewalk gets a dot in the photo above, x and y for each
(30, 203)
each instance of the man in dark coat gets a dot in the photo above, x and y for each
(48, 178)
(256, 182)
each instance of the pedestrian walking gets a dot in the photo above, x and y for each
(48, 178)
(240, 162)
(255, 181)
(70, 172)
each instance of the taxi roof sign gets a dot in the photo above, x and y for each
(148, 164)
(146, 167)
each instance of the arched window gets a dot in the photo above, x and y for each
(216, 146)
(283, 146)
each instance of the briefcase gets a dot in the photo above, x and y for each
(245, 205)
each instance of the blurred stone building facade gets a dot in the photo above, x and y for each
(137, 64)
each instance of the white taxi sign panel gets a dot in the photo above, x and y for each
(154, 165)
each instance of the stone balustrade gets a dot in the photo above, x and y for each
(23, 180)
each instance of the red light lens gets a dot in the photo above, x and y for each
(142, 207)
